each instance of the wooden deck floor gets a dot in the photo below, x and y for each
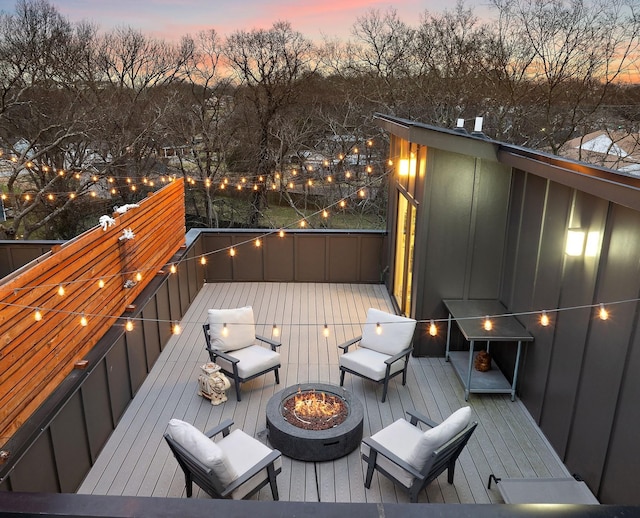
(136, 460)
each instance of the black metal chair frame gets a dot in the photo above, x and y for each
(443, 458)
(195, 471)
(389, 361)
(213, 354)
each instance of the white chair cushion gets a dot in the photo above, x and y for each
(241, 329)
(369, 363)
(396, 335)
(253, 360)
(435, 437)
(203, 449)
(399, 438)
(244, 452)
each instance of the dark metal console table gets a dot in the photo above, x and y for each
(469, 316)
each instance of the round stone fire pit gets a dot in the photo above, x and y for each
(308, 444)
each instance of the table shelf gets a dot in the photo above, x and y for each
(491, 381)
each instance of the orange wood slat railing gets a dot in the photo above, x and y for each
(35, 357)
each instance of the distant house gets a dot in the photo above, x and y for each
(619, 150)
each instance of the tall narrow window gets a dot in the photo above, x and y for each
(405, 239)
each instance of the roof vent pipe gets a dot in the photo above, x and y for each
(460, 126)
(477, 129)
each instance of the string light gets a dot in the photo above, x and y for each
(101, 283)
(258, 243)
(61, 290)
(138, 277)
(225, 330)
(275, 332)
(203, 260)
(378, 329)
(232, 252)
(37, 316)
(488, 325)
(176, 329)
(281, 233)
(433, 329)
(325, 331)
(603, 313)
(544, 319)
(83, 321)
(129, 325)
(173, 268)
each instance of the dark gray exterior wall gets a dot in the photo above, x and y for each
(492, 223)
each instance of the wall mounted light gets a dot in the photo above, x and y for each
(575, 242)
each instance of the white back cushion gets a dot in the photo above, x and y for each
(396, 332)
(203, 449)
(241, 329)
(435, 437)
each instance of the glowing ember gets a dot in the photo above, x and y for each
(313, 410)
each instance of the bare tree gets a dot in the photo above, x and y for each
(269, 66)
(576, 51)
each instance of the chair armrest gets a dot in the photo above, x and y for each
(417, 416)
(374, 445)
(266, 461)
(222, 355)
(399, 355)
(266, 340)
(345, 346)
(223, 427)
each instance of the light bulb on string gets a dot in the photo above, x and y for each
(37, 315)
(325, 214)
(225, 330)
(83, 321)
(203, 260)
(603, 313)
(281, 233)
(61, 290)
(325, 331)
(303, 223)
(433, 329)
(544, 319)
(488, 325)
(258, 243)
(101, 283)
(275, 331)
(138, 277)
(232, 252)
(173, 268)
(129, 325)
(175, 329)
(378, 328)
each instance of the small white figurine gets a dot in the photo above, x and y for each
(125, 208)
(106, 221)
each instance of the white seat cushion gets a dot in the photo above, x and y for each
(203, 449)
(244, 452)
(369, 363)
(253, 360)
(396, 332)
(240, 328)
(435, 437)
(400, 438)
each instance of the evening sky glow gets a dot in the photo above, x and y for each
(172, 19)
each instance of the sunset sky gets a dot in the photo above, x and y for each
(171, 19)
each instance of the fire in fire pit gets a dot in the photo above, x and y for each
(312, 410)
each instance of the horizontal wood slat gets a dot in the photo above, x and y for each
(35, 357)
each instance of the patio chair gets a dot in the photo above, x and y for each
(236, 466)
(230, 336)
(411, 457)
(384, 349)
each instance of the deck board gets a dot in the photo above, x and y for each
(136, 460)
